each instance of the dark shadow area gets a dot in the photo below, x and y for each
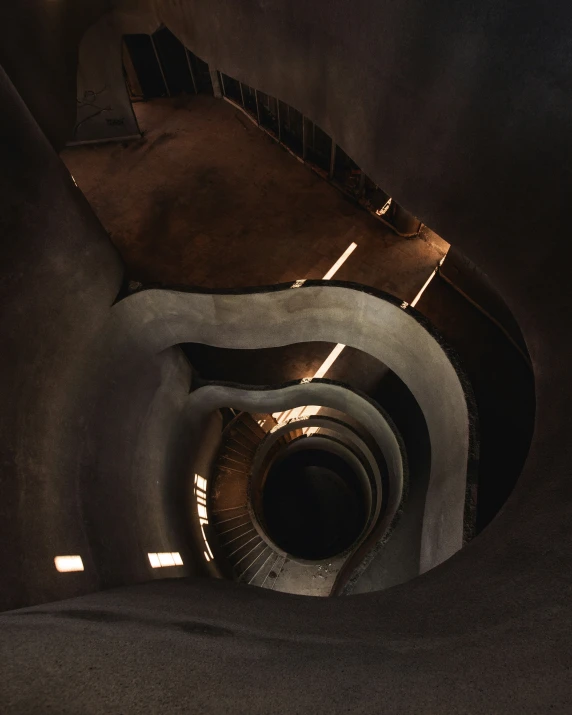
(503, 386)
(173, 59)
(203, 629)
(147, 70)
(314, 506)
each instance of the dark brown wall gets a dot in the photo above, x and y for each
(39, 41)
(462, 112)
(60, 274)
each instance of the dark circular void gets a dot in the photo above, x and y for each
(314, 505)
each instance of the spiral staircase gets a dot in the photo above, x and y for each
(233, 502)
(250, 557)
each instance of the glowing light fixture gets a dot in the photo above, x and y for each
(329, 361)
(426, 284)
(201, 495)
(340, 262)
(65, 564)
(154, 561)
(282, 417)
(165, 558)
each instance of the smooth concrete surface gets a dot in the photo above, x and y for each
(213, 646)
(406, 536)
(152, 320)
(109, 434)
(463, 114)
(60, 275)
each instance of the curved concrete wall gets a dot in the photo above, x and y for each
(319, 392)
(463, 114)
(68, 476)
(152, 320)
(206, 400)
(60, 275)
(354, 453)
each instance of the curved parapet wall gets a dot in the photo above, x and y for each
(348, 436)
(374, 426)
(320, 392)
(378, 525)
(373, 322)
(475, 99)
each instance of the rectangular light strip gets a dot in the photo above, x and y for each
(329, 361)
(340, 262)
(65, 564)
(165, 558)
(332, 357)
(426, 284)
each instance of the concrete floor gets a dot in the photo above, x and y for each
(207, 199)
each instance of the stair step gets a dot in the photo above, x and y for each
(226, 498)
(229, 528)
(265, 422)
(231, 451)
(239, 469)
(246, 555)
(240, 507)
(264, 579)
(251, 424)
(244, 436)
(238, 537)
(228, 460)
(256, 569)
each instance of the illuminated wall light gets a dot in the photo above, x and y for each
(426, 284)
(201, 482)
(329, 361)
(206, 542)
(340, 262)
(282, 417)
(154, 560)
(201, 494)
(299, 283)
(65, 564)
(165, 558)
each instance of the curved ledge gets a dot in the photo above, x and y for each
(152, 320)
(362, 456)
(326, 393)
(362, 452)
(361, 466)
